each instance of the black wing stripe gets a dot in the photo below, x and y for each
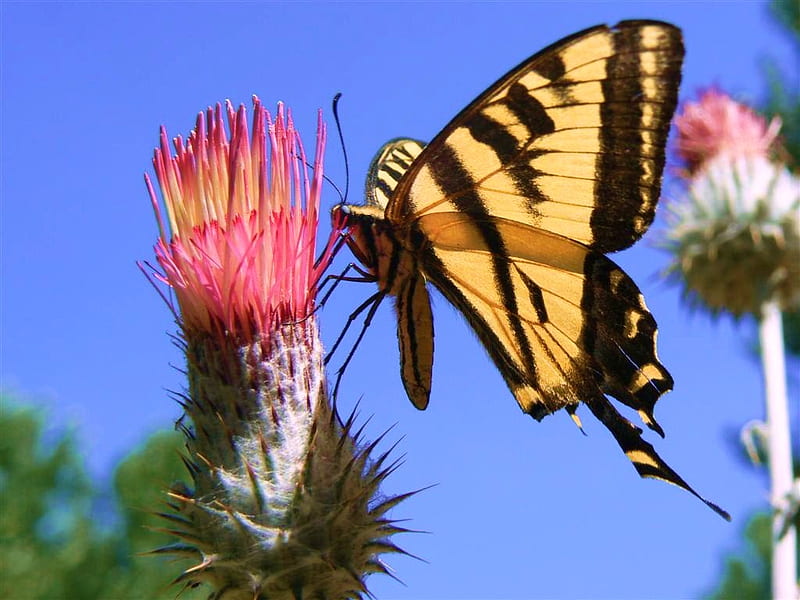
(487, 131)
(440, 277)
(529, 111)
(449, 173)
(536, 296)
(625, 217)
(384, 188)
(411, 326)
(533, 116)
(550, 66)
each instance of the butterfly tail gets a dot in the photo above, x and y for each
(643, 456)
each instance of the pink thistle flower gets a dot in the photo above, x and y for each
(238, 243)
(716, 124)
(284, 499)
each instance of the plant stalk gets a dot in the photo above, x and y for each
(784, 549)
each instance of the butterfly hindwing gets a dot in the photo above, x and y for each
(388, 167)
(563, 324)
(558, 318)
(641, 453)
(621, 333)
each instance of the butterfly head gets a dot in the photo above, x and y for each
(358, 225)
(372, 240)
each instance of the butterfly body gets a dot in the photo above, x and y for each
(509, 212)
(394, 264)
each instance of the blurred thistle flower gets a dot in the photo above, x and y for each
(735, 237)
(735, 241)
(284, 501)
(716, 124)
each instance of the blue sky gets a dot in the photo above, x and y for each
(521, 509)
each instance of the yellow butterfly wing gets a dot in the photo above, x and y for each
(508, 212)
(569, 144)
(560, 320)
(571, 141)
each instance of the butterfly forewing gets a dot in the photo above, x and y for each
(571, 141)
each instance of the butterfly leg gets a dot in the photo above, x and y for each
(364, 277)
(364, 305)
(326, 254)
(373, 302)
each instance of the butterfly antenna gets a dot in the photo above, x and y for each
(338, 122)
(332, 184)
(342, 197)
(364, 277)
(329, 181)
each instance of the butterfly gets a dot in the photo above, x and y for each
(509, 212)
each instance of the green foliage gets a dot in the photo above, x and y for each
(784, 101)
(53, 546)
(747, 571)
(140, 482)
(747, 575)
(787, 12)
(784, 97)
